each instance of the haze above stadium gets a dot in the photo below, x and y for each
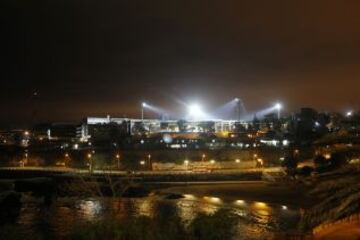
(83, 58)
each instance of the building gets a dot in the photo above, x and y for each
(101, 128)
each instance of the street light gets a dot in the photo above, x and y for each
(118, 160)
(203, 157)
(89, 156)
(67, 158)
(149, 162)
(186, 163)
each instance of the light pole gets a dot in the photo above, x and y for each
(186, 163)
(237, 100)
(67, 158)
(150, 164)
(278, 107)
(118, 160)
(143, 105)
(89, 156)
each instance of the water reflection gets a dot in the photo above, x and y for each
(145, 207)
(257, 219)
(90, 208)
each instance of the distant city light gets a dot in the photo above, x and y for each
(240, 202)
(349, 113)
(237, 161)
(260, 205)
(213, 199)
(284, 207)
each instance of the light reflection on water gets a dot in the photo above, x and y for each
(257, 220)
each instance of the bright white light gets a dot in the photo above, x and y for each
(194, 109)
(278, 106)
(284, 207)
(349, 114)
(195, 112)
(285, 142)
(236, 99)
(144, 104)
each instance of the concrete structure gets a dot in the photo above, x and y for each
(92, 126)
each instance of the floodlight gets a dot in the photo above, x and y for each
(195, 111)
(278, 106)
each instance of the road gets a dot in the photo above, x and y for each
(140, 173)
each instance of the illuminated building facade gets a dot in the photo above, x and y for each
(96, 126)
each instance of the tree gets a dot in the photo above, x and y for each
(320, 162)
(290, 163)
(339, 197)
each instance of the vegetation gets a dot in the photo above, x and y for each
(217, 226)
(339, 197)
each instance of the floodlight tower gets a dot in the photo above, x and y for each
(278, 107)
(195, 112)
(143, 105)
(238, 108)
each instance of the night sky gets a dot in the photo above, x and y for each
(87, 57)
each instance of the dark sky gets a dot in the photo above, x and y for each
(87, 57)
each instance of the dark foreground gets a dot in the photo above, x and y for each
(218, 211)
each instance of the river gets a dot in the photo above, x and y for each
(257, 220)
